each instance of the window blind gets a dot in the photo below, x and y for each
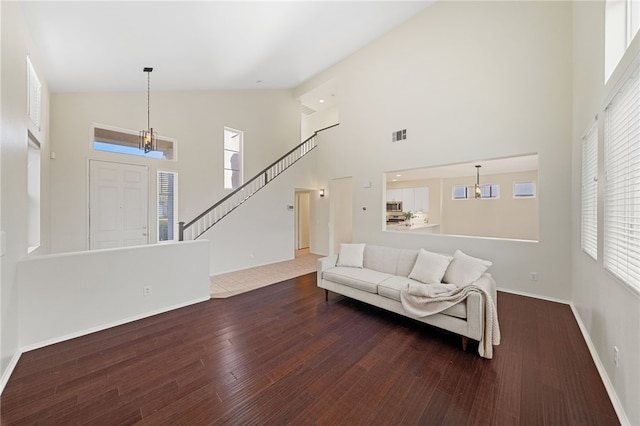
(590, 191)
(167, 205)
(622, 183)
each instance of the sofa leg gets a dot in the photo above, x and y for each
(465, 341)
(326, 295)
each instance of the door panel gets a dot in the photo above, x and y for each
(303, 220)
(118, 205)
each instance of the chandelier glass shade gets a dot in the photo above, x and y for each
(478, 188)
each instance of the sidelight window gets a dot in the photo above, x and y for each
(167, 206)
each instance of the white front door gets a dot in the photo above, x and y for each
(118, 205)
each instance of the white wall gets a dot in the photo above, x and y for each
(340, 217)
(322, 119)
(262, 229)
(270, 120)
(3, 369)
(63, 296)
(504, 217)
(469, 81)
(318, 222)
(608, 310)
(16, 44)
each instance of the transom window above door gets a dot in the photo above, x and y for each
(122, 141)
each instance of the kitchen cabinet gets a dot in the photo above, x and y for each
(413, 199)
(408, 200)
(421, 199)
(394, 195)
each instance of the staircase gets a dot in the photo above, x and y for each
(214, 214)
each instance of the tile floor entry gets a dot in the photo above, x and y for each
(232, 283)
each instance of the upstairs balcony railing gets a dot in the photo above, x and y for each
(214, 214)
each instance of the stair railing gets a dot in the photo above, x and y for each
(207, 219)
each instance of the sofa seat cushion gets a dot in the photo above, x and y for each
(391, 288)
(362, 279)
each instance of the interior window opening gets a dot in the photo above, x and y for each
(451, 206)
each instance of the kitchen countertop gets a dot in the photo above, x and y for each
(401, 226)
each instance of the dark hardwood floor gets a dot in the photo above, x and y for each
(282, 355)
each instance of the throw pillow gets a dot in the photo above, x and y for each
(429, 267)
(351, 255)
(464, 269)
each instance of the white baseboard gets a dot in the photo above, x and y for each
(16, 357)
(84, 332)
(7, 373)
(613, 396)
(535, 296)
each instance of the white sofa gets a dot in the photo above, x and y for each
(385, 272)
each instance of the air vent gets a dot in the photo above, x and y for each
(306, 110)
(400, 135)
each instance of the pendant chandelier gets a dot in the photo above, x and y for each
(148, 140)
(478, 188)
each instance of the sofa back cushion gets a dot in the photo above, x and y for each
(406, 260)
(389, 259)
(379, 258)
(351, 255)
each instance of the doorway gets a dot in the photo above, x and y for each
(118, 205)
(303, 214)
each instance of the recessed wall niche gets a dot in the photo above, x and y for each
(442, 199)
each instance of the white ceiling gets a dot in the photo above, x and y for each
(199, 45)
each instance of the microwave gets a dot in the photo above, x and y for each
(394, 206)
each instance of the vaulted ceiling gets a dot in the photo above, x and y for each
(199, 45)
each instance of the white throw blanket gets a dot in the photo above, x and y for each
(421, 300)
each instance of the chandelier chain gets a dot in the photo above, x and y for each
(148, 100)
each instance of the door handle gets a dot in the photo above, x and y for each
(144, 234)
